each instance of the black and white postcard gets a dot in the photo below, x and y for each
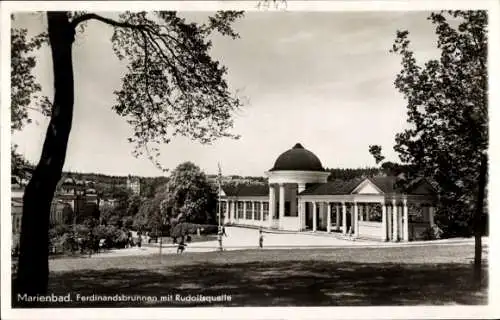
(256, 159)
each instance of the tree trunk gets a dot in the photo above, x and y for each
(33, 269)
(478, 225)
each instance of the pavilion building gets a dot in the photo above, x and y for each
(299, 198)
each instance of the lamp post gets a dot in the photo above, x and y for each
(163, 221)
(219, 182)
(79, 193)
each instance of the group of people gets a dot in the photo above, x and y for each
(220, 234)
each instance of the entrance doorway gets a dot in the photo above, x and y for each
(309, 216)
(348, 221)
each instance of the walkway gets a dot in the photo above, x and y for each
(239, 238)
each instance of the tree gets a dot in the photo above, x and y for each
(478, 221)
(133, 205)
(447, 108)
(349, 174)
(149, 216)
(106, 211)
(376, 152)
(389, 168)
(172, 87)
(190, 196)
(448, 111)
(19, 166)
(24, 87)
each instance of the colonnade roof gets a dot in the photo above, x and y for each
(384, 185)
(332, 187)
(246, 190)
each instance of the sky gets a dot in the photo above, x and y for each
(324, 79)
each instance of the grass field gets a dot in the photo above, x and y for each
(430, 275)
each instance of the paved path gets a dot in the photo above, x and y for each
(246, 238)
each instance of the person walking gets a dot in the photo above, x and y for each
(261, 239)
(139, 239)
(219, 238)
(181, 247)
(224, 231)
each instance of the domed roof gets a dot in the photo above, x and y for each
(298, 159)
(69, 181)
(91, 191)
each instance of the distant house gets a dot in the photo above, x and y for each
(134, 184)
(59, 210)
(81, 197)
(298, 197)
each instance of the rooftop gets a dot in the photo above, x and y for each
(298, 159)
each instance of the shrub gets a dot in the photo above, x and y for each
(432, 233)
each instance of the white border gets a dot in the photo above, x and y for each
(460, 312)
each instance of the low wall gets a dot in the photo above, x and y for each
(370, 229)
(245, 222)
(290, 224)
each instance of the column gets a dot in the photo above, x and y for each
(235, 210)
(356, 220)
(261, 213)
(363, 210)
(227, 215)
(302, 208)
(389, 221)
(328, 217)
(394, 221)
(293, 201)
(384, 222)
(314, 213)
(282, 205)
(225, 212)
(344, 218)
(405, 220)
(431, 215)
(400, 222)
(244, 210)
(337, 217)
(272, 204)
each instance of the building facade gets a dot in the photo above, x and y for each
(80, 196)
(299, 198)
(134, 184)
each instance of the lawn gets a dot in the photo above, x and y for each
(430, 275)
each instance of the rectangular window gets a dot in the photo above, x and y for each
(240, 209)
(266, 210)
(222, 205)
(248, 214)
(257, 210)
(374, 213)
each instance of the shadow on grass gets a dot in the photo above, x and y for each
(284, 283)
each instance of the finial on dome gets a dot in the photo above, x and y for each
(298, 146)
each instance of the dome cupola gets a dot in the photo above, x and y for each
(297, 159)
